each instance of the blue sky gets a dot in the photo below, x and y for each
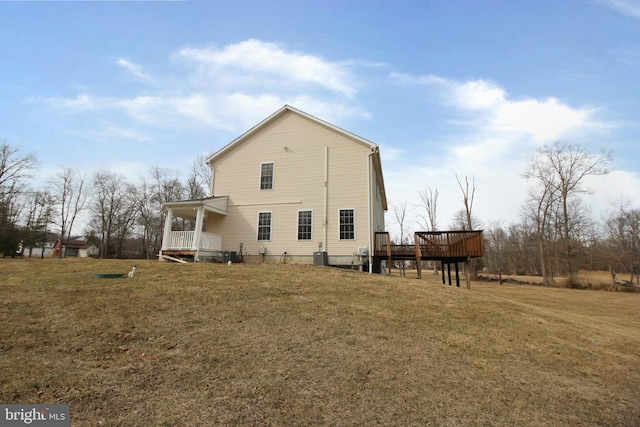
(444, 87)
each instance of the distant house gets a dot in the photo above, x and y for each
(36, 250)
(294, 188)
(79, 247)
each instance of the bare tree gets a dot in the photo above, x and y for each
(623, 230)
(69, 194)
(167, 188)
(521, 248)
(149, 218)
(558, 171)
(468, 195)
(199, 181)
(428, 216)
(41, 211)
(428, 213)
(496, 238)
(539, 208)
(15, 168)
(400, 213)
(114, 208)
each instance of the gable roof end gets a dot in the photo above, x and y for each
(281, 111)
(287, 108)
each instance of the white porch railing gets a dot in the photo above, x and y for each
(183, 240)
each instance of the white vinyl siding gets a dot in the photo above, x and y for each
(264, 225)
(297, 146)
(347, 224)
(305, 225)
(266, 176)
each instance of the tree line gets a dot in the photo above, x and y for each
(556, 234)
(122, 218)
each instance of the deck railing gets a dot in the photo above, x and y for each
(450, 244)
(183, 240)
(433, 245)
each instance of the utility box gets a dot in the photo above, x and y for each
(320, 259)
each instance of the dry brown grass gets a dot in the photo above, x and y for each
(207, 344)
(596, 280)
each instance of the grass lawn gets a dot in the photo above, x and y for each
(211, 344)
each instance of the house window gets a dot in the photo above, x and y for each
(266, 176)
(304, 225)
(264, 225)
(347, 224)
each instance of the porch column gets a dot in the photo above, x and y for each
(167, 229)
(195, 245)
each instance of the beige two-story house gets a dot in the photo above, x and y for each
(292, 189)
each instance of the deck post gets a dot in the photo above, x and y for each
(416, 241)
(444, 282)
(457, 274)
(389, 254)
(197, 234)
(449, 272)
(466, 273)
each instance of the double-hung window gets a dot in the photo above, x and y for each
(304, 225)
(266, 176)
(264, 225)
(347, 224)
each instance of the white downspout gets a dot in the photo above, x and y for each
(326, 198)
(370, 214)
(213, 174)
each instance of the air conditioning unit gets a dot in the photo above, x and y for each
(363, 251)
(320, 259)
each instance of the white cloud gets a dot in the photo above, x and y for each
(262, 61)
(229, 88)
(626, 7)
(109, 133)
(489, 107)
(491, 138)
(606, 192)
(134, 69)
(476, 94)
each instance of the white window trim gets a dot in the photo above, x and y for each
(355, 222)
(298, 225)
(273, 176)
(270, 227)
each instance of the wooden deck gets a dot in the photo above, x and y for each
(449, 247)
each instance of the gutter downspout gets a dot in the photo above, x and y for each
(213, 175)
(326, 198)
(370, 210)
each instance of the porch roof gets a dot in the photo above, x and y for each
(188, 208)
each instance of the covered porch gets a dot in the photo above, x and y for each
(196, 244)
